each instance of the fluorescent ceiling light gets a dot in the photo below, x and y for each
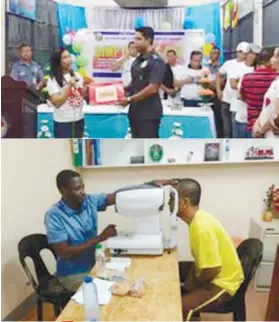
(89, 3)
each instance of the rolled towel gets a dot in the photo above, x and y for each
(121, 288)
(137, 289)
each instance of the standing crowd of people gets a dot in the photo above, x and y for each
(245, 90)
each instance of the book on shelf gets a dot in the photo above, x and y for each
(92, 152)
(77, 152)
(97, 151)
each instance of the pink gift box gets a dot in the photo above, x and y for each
(106, 93)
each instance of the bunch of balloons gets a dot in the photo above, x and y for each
(74, 42)
(210, 42)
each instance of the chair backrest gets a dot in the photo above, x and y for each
(31, 246)
(250, 253)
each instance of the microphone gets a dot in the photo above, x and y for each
(72, 73)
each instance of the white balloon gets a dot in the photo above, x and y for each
(81, 36)
(67, 39)
(74, 58)
(198, 42)
(166, 26)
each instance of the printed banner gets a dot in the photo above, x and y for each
(235, 14)
(25, 8)
(108, 46)
(228, 14)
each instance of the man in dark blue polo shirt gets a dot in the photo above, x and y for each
(72, 228)
(148, 72)
(27, 70)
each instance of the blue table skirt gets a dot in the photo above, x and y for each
(116, 126)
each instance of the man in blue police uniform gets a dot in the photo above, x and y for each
(148, 72)
(27, 70)
(72, 228)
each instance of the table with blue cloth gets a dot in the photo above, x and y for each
(111, 122)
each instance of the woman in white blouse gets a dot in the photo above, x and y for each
(265, 125)
(66, 92)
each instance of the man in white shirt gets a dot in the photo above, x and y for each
(189, 81)
(125, 63)
(172, 60)
(177, 71)
(225, 96)
(238, 108)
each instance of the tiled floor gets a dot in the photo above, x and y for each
(256, 306)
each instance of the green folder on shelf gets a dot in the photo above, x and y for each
(77, 153)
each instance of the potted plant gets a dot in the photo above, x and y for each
(270, 203)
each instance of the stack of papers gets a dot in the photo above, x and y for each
(118, 263)
(103, 290)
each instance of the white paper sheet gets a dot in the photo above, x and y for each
(119, 263)
(103, 290)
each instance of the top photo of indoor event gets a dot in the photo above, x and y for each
(140, 69)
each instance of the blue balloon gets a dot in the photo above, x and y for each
(205, 61)
(75, 67)
(139, 22)
(210, 38)
(189, 23)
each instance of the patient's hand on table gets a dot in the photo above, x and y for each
(109, 231)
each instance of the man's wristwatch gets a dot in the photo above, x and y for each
(128, 99)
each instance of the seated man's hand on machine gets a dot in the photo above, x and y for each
(109, 231)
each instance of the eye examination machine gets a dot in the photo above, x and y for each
(145, 205)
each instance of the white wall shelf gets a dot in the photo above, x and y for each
(117, 153)
(151, 165)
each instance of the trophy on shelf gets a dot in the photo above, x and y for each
(259, 153)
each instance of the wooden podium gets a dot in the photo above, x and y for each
(18, 109)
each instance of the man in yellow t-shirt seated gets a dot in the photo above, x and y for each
(216, 273)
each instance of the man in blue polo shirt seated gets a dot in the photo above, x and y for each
(72, 228)
(27, 70)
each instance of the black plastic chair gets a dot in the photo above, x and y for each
(48, 289)
(250, 252)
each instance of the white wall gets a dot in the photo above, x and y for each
(29, 167)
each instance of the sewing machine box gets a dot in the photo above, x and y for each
(106, 93)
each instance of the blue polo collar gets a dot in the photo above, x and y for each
(23, 63)
(215, 66)
(70, 211)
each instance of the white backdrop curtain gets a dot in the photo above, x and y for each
(124, 19)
